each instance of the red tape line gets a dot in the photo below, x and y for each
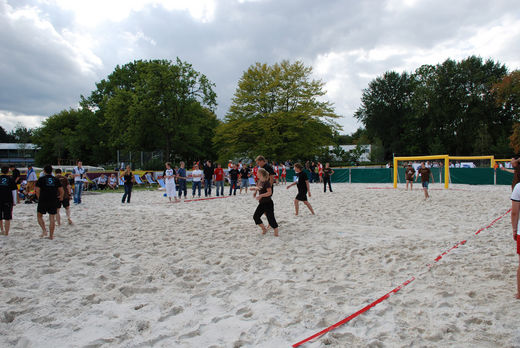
(361, 311)
(386, 296)
(204, 199)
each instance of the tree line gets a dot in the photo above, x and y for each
(458, 108)
(469, 107)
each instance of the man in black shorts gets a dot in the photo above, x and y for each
(65, 202)
(7, 201)
(49, 192)
(15, 174)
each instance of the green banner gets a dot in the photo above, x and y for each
(471, 176)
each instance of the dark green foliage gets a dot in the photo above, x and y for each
(447, 108)
(142, 106)
(277, 112)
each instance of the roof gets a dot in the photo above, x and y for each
(17, 146)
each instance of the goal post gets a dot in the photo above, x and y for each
(446, 159)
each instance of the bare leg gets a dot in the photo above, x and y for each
(52, 225)
(264, 230)
(276, 232)
(7, 224)
(2, 232)
(518, 280)
(58, 217)
(296, 206)
(67, 211)
(309, 206)
(426, 196)
(41, 222)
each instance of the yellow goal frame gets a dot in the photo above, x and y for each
(446, 159)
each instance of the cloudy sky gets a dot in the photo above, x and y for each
(53, 51)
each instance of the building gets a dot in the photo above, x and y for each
(365, 157)
(19, 154)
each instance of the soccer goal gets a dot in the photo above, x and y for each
(443, 158)
(446, 161)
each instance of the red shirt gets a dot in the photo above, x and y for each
(255, 172)
(219, 174)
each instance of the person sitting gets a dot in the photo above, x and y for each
(112, 182)
(102, 181)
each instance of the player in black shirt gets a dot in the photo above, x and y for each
(262, 163)
(49, 192)
(7, 201)
(303, 188)
(233, 179)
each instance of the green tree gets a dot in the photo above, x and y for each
(277, 111)
(385, 110)
(157, 104)
(447, 108)
(21, 134)
(5, 137)
(507, 97)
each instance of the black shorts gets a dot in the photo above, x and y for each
(45, 207)
(64, 204)
(6, 211)
(302, 196)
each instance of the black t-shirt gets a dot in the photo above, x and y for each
(327, 172)
(16, 175)
(244, 173)
(263, 186)
(269, 169)
(48, 188)
(302, 182)
(208, 172)
(233, 174)
(127, 179)
(7, 185)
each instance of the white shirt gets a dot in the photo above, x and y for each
(515, 196)
(197, 172)
(169, 172)
(80, 171)
(32, 176)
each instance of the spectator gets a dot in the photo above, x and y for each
(196, 174)
(102, 182)
(208, 177)
(78, 172)
(219, 179)
(112, 182)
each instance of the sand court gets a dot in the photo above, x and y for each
(201, 274)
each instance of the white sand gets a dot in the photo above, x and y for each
(200, 274)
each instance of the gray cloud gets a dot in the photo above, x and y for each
(46, 66)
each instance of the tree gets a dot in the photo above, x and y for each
(21, 134)
(446, 108)
(507, 96)
(385, 109)
(277, 111)
(157, 104)
(5, 137)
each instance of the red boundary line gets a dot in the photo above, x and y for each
(192, 200)
(203, 199)
(387, 295)
(361, 311)
(436, 189)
